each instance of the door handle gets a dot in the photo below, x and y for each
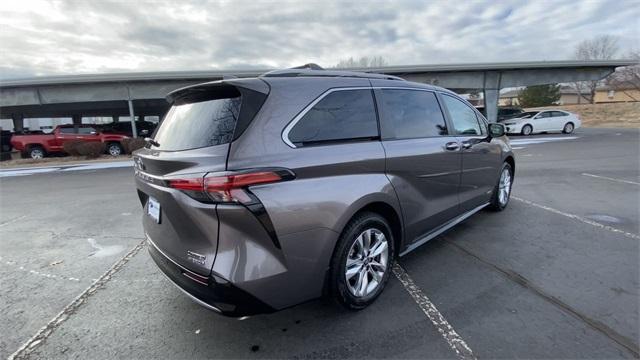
(452, 146)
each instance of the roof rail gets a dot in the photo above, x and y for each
(317, 71)
(309, 66)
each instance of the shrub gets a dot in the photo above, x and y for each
(71, 147)
(132, 144)
(91, 150)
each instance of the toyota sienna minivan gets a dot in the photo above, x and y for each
(262, 193)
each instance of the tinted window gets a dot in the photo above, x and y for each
(67, 130)
(198, 124)
(86, 130)
(557, 114)
(411, 114)
(341, 115)
(544, 114)
(463, 117)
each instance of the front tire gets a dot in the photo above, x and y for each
(527, 130)
(502, 190)
(361, 264)
(568, 128)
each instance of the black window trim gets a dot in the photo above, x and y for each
(301, 114)
(438, 101)
(480, 119)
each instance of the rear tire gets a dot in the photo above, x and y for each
(527, 130)
(36, 152)
(568, 128)
(502, 190)
(114, 149)
(360, 271)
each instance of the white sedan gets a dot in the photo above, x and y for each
(533, 122)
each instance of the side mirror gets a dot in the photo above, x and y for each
(496, 130)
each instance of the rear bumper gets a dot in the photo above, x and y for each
(212, 292)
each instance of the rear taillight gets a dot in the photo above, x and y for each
(228, 187)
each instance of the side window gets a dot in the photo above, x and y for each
(341, 115)
(86, 130)
(557, 114)
(408, 114)
(543, 115)
(463, 117)
(67, 130)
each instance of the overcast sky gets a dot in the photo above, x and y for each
(83, 36)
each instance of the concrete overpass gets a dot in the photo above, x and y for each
(131, 94)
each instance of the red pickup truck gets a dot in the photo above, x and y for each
(38, 146)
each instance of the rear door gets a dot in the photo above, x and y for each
(191, 141)
(558, 119)
(480, 157)
(88, 134)
(423, 160)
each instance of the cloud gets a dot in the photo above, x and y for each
(46, 38)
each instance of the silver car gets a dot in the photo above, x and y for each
(263, 193)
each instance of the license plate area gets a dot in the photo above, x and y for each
(153, 209)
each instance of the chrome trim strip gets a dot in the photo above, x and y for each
(292, 123)
(442, 229)
(170, 259)
(195, 299)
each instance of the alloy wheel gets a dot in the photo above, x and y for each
(367, 262)
(37, 154)
(114, 150)
(504, 187)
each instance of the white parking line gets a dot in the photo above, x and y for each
(540, 140)
(579, 218)
(74, 167)
(448, 333)
(63, 315)
(612, 179)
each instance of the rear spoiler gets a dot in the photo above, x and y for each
(214, 89)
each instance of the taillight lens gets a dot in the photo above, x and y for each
(228, 187)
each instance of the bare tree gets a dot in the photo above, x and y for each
(363, 62)
(603, 47)
(627, 77)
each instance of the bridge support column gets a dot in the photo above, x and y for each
(491, 88)
(18, 122)
(77, 120)
(491, 104)
(132, 116)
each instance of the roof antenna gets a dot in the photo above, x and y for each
(310, 66)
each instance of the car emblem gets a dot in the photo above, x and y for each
(196, 258)
(137, 163)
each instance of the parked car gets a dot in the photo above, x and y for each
(144, 128)
(37, 146)
(533, 122)
(505, 112)
(263, 193)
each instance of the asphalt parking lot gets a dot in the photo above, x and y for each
(556, 275)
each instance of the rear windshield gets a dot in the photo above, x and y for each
(199, 124)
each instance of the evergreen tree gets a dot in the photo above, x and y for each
(539, 95)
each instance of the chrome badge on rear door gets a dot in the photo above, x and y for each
(196, 258)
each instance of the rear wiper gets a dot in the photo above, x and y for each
(150, 141)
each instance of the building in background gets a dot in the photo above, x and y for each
(568, 96)
(613, 94)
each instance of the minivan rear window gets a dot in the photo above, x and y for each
(199, 124)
